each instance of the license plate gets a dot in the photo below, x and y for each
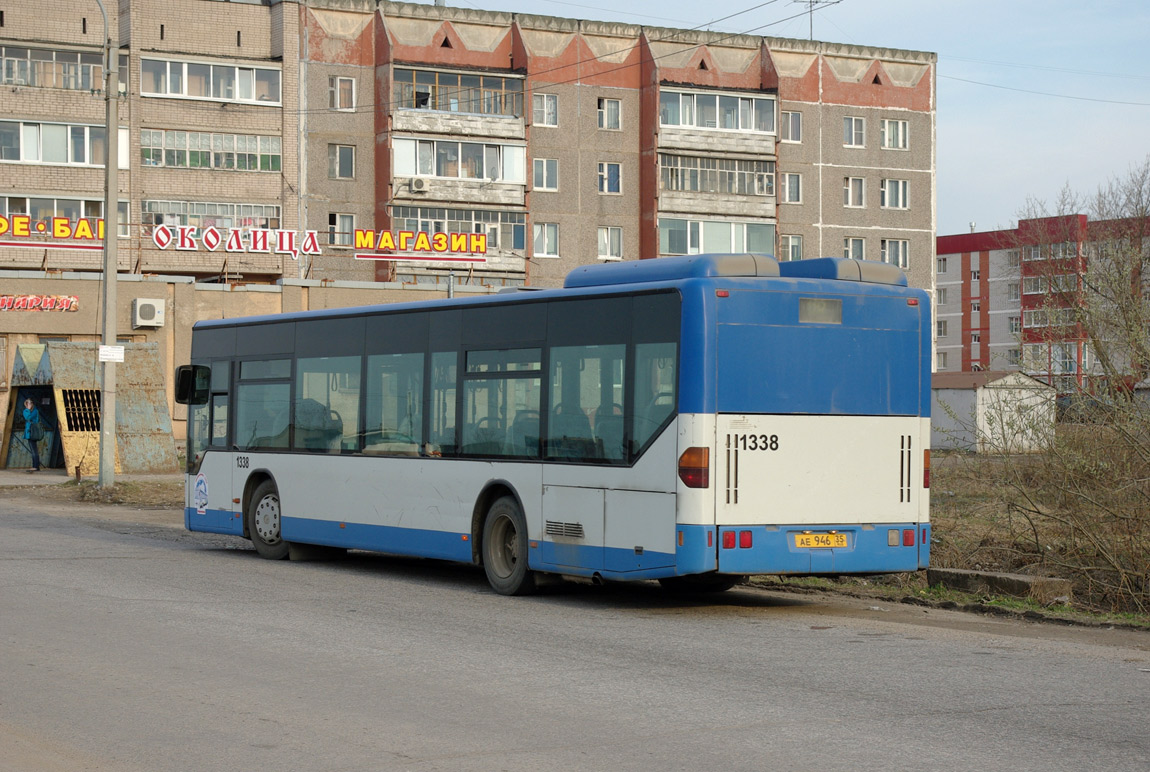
(811, 541)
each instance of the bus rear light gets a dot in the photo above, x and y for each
(722, 293)
(745, 540)
(695, 467)
(908, 537)
(710, 538)
(728, 540)
(926, 469)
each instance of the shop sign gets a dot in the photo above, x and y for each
(39, 303)
(413, 246)
(281, 242)
(56, 228)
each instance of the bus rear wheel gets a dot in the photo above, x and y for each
(263, 516)
(505, 549)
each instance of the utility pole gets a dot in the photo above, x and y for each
(111, 212)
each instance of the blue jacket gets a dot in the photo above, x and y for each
(31, 416)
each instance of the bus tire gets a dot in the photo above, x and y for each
(697, 583)
(505, 549)
(264, 522)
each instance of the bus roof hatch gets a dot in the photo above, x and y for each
(671, 269)
(844, 269)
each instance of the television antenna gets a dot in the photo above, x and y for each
(812, 6)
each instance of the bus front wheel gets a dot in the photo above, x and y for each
(505, 549)
(263, 517)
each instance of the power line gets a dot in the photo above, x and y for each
(1047, 93)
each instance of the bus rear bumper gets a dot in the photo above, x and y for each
(782, 549)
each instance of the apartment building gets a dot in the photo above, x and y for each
(1006, 299)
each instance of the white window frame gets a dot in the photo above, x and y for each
(895, 194)
(746, 111)
(613, 240)
(1013, 291)
(335, 92)
(545, 110)
(337, 236)
(854, 248)
(334, 153)
(785, 188)
(550, 234)
(976, 336)
(241, 74)
(940, 265)
(605, 178)
(975, 275)
(940, 296)
(791, 127)
(941, 360)
(854, 192)
(976, 305)
(1015, 325)
(540, 179)
(940, 328)
(896, 252)
(417, 157)
(854, 131)
(893, 140)
(790, 247)
(604, 114)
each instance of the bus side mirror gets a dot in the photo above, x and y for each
(193, 384)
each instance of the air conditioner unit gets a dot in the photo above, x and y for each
(147, 312)
(418, 184)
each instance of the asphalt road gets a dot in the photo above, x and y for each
(129, 644)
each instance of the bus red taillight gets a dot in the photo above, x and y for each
(745, 540)
(926, 469)
(728, 540)
(908, 537)
(695, 467)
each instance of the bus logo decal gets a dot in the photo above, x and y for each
(200, 494)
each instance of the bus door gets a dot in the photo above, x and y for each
(211, 463)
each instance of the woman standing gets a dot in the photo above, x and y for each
(32, 416)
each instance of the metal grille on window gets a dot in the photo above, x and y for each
(82, 409)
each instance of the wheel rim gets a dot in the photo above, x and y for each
(267, 520)
(504, 548)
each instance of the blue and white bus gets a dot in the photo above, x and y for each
(690, 419)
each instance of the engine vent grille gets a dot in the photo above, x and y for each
(570, 530)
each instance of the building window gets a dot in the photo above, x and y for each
(217, 82)
(1012, 291)
(610, 114)
(546, 239)
(545, 110)
(1013, 357)
(976, 337)
(341, 93)
(940, 265)
(610, 243)
(896, 252)
(1032, 253)
(340, 229)
(854, 249)
(341, 162)
(692, 237)
(696, 174)
(894, 194)
(941, 355)
(976, 305)
(940, 328)
(47, 68)
(791, 127)
(1034, 285)
(975, 275)
(44, 209)
(893, 135)
(456, 92)
(546, 176)
(721, 112)
(199, 150)
(1015, 325)
(854, 134)
(790, 247)
(506, 231)
(791, 188)
(853, 192)
(53, 143)
(1013, 258)
(610, 178)
(460, 160)
(940, 296)
(201, 214)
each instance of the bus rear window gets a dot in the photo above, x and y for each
(820, 310)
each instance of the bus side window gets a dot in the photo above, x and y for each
(327, 404)
(654, 389)
(443, 383)
(394, 418)
(586, 386)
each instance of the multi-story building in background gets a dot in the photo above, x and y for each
(564, 141)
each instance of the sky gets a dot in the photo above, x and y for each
(1033, 95)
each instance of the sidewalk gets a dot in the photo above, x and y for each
(17, 477)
